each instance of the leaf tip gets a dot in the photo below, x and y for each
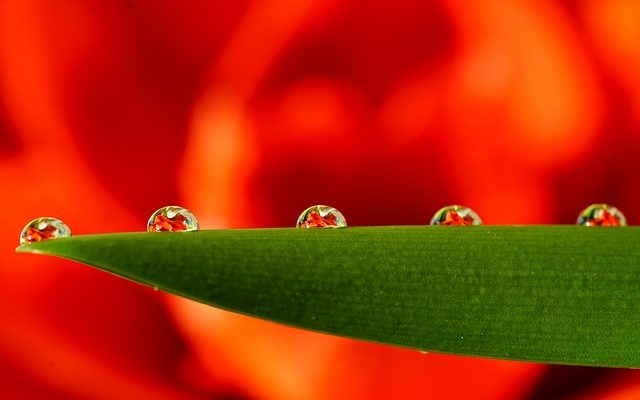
(28, 248)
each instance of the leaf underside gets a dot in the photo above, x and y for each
(556, 294)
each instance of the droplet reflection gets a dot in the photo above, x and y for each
(601, 215)
(44, 228)
(321, 217)
(455, 215)
(172, 219)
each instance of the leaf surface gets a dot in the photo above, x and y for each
(557, 294)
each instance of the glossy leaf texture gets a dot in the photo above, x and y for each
(556, 294)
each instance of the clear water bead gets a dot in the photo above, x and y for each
(44, 228)
(321, 217)
(601, 215)
(172, 219)
(455, 215)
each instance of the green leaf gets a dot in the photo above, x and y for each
(557, 294)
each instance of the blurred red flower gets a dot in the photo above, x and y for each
(109, 110)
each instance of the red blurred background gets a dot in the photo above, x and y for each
(247, 112)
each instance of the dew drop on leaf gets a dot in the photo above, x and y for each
(321, 217)
(172, 219)
(601, 215)
(455, 215)
(44, 228)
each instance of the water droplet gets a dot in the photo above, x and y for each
(455, 215)
(172, 219)
(44, 228)
(601, 215)
(321, 217)
(155, 289)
